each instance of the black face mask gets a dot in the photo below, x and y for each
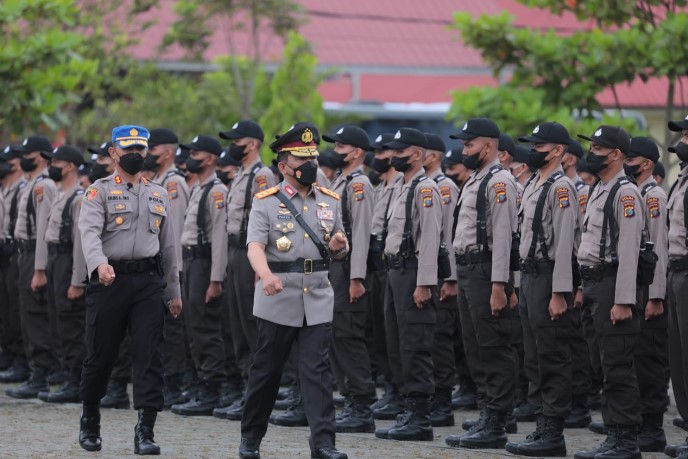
(151, 162)
(224, 177)
(455, 179)
(596, 163)
(5, 170)
(237, 152)
(27, 165)
(131, 163)
(472, 162)
(194, 165)
(632, 170)
(374, 178)
(682, 151)
(306, 174)
(537, 159)
(55, 174)
(98, 171)
(401, 163)
(381, 165)
(338, 160)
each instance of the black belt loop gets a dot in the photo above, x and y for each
(300, 265)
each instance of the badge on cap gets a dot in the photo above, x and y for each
(7, 149)
(103, 145)
(307, 136)
(195, 139)
(178, 152)
(340, 131)
(448, 154)
(236, 125)
(537, 129)
(378, 139)
(465, 126)
(397, 135)
(598, 133)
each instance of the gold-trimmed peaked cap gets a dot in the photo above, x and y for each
(129, 135)
(300, 140)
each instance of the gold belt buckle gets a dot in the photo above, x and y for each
(308, 266)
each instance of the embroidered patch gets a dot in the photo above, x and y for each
(289, 190)
(118, 180)
(172, 190)
(120, 207)
(563, 197)
(426, 194)
(358, 191)
(219, 199)
(90, 194)
(262, 182)
(445, 192)
(628, 206)
(38, 193)
(583, 202)
(653, 207)
(116, 192)
(156, 194)
(500, 191)
(159, 209)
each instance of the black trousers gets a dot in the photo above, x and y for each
(133, 301)
(591, 339)
(580, 360)
(546, 344)
(410, 334)
(621, 399)
(10, 333)
(274, 344)
(207, 345)
(175, 349)
(678, 338)
(488, 340)
(463, 373)
(377, 281)
(35, 319)
(69, 315)
(121, 369)
(239, 298)
(349, 349)
(443, 347)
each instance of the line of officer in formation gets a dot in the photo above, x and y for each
(556, 288)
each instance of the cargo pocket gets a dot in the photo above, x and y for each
(497, 331)
(419, 336)
(348, 324)
(156, 216)
(119, 216)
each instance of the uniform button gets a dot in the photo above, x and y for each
(306, 236)
(305, 290)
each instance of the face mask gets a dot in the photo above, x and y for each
(151, 162)
(632, 170)
(381, 165)
(237, 152)
(5, 170)
(537, 159)
(596, 163)
(682, 151)
(338, 160)
(306, 174)
(27, 165)
(401, 163)
(224, 177)
(194, 165)
(55, 174)
(98, 171)
(472, 162)
(374, 178)
(131, 163)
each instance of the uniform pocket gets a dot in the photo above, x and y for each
(419, 337)
(496, 331)
(119, 216)
(156, 216)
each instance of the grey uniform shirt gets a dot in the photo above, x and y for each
(500, 216)
(41, 191)
(384, 195)
(360, 205)
(426, 223)
(52, 233)
(656, 228)
(122, 223)
(678, 246)
(8, 194)
(306, 297)
(215, 217)
(558, 227)
(449, 196)
(178, 194)
(236, 198)
(629, 218)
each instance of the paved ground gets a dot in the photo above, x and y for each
(33, 429)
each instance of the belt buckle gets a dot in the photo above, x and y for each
(308, 266)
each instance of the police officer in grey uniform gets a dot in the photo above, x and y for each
(131, 257)
(608, 258)
(66, 271)
(548, 221)
(204, 244)
(483, 245)
(447, 307)
(32, 219)
(13, 185)
(294, 229)
(349, 355)
(677, 282)
(411, 297)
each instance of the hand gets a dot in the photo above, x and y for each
(654, 308)
(448, 290)
(513, 300)
(106, 274)
(74, 293)
(214, 291)
(338, 242)
(272, 284)
(175, 307)
(356, 290)
(620, 313)
(421, 296)
(578, 299)
(557, 306)
(39, 281)
(497, 299)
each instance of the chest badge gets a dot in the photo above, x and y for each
(283, 244)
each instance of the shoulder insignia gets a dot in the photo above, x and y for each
(79, 192)
(563, 197)
(156, 194)
(426, 195)
(500, 191)
(359, 194)
(40, 178)
(262, 182)
(583, 202)
(91, 193)
(653, 207)
(118, 180)
(445, 192)
(172, 191)
(628, 206)
(22, 185)
(329, 192)
(269, 192)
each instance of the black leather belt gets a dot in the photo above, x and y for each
(473, 258)
(678, 264)
(597, 272)
(56, 247)
(134, 266)
(537, 266)
(300, 265)
(236, 241)
(24, 246)
(196, 251)
(394, 262)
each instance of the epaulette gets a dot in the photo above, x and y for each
(79, 192)
(269, 192)
(329, 192)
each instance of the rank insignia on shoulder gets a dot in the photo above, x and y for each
(118, 180)
(563, 197)
(329, 192)
(90, 194)
(269, 192)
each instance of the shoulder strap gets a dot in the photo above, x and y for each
(247, 199)
(346, 215)
(385, 224)
(647, 188)
(299, 218)
(408, 247)
(200, 216)
(579, 185)
(610, 222)
(31, 208)
(67, 221)
(14, 209)
(170, 174)
(538, 232)
(480, 206)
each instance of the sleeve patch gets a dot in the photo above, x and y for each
(563, 197)
(38, 194)
(653, 207)
(426, 194)
(91, 193)
(262, 182)
(500, 191)
(628, 206)
(445, 192)
(172, 190)
(583, 202)
(219, 199)
(359, 194)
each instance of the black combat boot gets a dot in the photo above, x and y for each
(442, 414)
(598, 427)
(401, 420)
(89, 433)
(236, 410)
(58, 377)
(418, 426)
(288, 400)
(294, 416)
(673, 450)
(469, 425)
(390, 392)
(18, 372)
(144, 443)
(549, 442)
(116, 395)
(67, 393)
(511, 425)
(677, 421)
(512, 446)
(492, 435)
(626, 446)
(38, 382)
(172, 392)
(346, 409)
(651, 438)
(249, 448)
(579, 418)
(360, 417)
(465, 398)
(208, 399)
(231, 391)
(525, 412)
(609, 443)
